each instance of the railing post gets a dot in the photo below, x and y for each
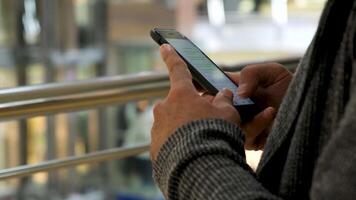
(100, 21)
(21, 62)
(47, 17)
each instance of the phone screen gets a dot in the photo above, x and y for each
(206, 67)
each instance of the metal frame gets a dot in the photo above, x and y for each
(29, 101)
(98, 156)
(49, 106)
(74, 88)
(107, 83)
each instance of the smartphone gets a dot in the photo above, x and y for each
(204, 71)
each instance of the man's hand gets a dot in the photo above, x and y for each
(184, 104)
(267, 85)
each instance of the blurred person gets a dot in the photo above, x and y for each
(198, 143)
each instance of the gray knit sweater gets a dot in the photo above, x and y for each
(311, 151)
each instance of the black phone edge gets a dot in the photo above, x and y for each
(196, 75)
(247, 112)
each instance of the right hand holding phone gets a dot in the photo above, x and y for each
(183, 103)
(266, 84)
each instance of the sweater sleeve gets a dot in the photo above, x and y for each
(205, 160)
(335, 173)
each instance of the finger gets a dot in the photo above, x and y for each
(259, 123)
(177, 68)
(208, 97)
(260, 141)
(257, 143)
(254, 76)
(248, 81)
(223, 98)
(235, 76)
(157, 108)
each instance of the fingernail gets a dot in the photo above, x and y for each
(271, 111)
(241, 91)
(167, 47)
(227, 92)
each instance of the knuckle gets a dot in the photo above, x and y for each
(224, 99)
(227, 109)
(248, 68)
(275, 64)
(247, 71)
(230, 109)
(157, 108)
(180, 90)
(233, 74)
(263, 66)
(175, 62)
(282, 68)
(234, 112)
(174, 94)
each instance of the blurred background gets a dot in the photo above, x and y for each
(55, 41)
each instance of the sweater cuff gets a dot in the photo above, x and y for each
(194, 140)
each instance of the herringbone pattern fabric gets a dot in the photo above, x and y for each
(311, 151)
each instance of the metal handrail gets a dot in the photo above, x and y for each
(29, 101)
(47, 99)
(22, 110)
(289, 62)
(51, 90)
(98, 156)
